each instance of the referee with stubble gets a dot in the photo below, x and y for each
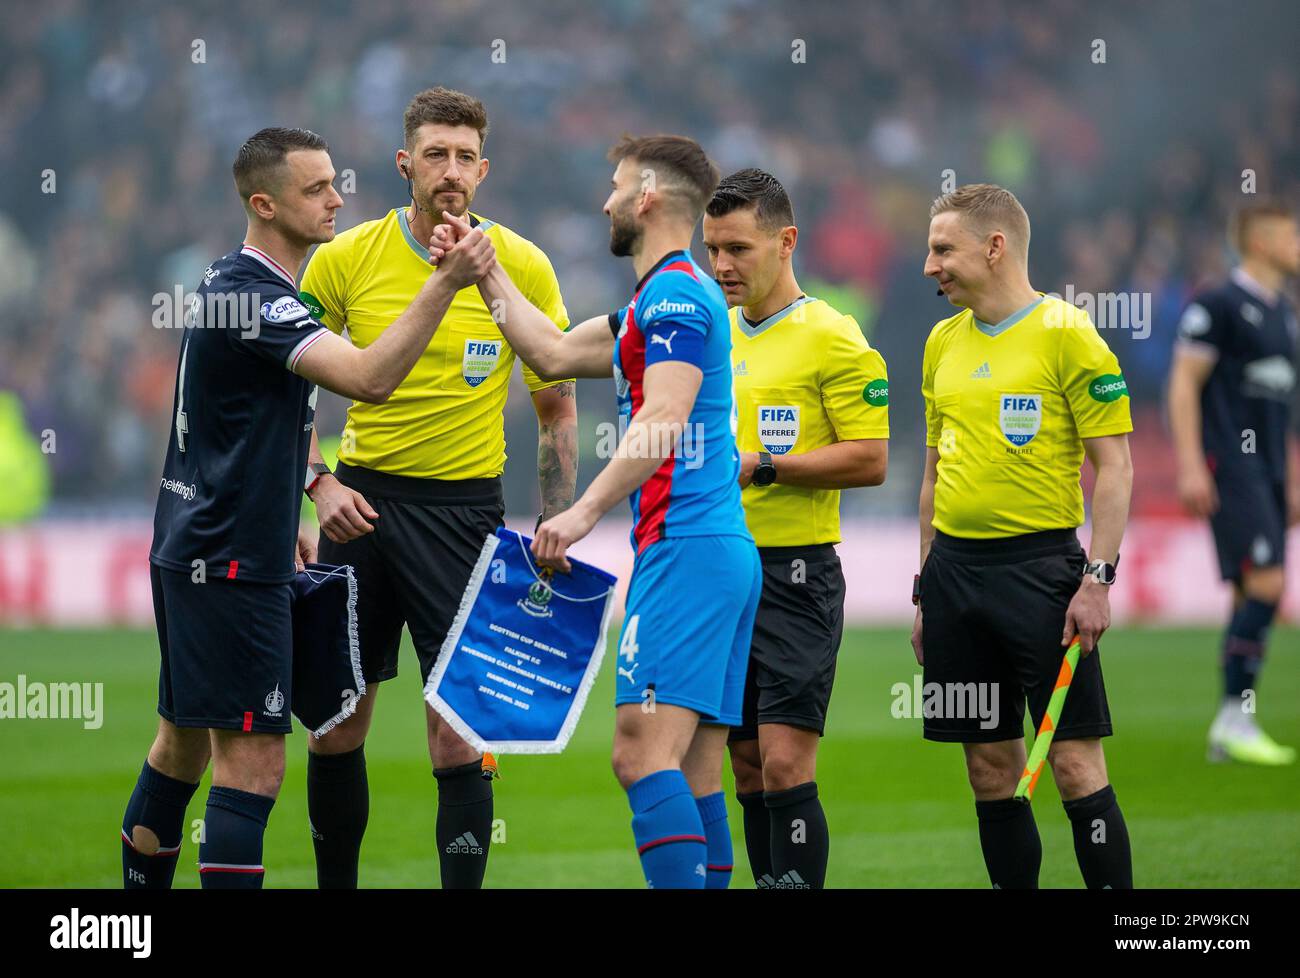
(1018, 387)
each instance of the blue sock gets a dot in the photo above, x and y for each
(713, 813)
(1243, 646)
(157, 804)
(230, 855)
(668, 831)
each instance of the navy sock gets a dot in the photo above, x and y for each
(230, 855)
(157, 804)
(799, 837)
(668, 831)
(338, 808)
(1243, 646)
(758, 838)
(1009, 838)
(717, 833)
(464, 827)
(1101, 841)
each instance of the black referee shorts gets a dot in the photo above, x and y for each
(992, 613)
(412, 570)
(797, 633)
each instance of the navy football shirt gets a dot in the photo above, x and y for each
(1252, 337)
(241, 426)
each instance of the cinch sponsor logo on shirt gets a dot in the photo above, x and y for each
(480, 359)
(283, 310)
(186, 492)
(665, 305)
(778, 427)
(1107, 388)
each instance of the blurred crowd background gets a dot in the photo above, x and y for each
(1124, 128)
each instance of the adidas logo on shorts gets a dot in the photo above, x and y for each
(466, 844)
(792, 881)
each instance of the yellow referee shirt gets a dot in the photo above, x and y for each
(1008, 406)
(804, 378)
(444, 421)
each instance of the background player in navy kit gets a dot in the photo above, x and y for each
(1230, 392)
(224, 552)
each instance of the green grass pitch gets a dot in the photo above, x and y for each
(900, 811)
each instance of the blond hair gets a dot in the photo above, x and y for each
(988, 208)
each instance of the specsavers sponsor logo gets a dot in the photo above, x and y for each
(876, 393)
(480, 359)
(1019, 417)
(1107, 388)
(312, 303)
(778, 427)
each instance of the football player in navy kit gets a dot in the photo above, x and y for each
(224, 554)
(1230, 393)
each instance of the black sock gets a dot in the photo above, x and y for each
(158, 804)
(800, 839)
(1101, 841)
(338, 807)
(464, 825)
(758, 838)
(1012, 850)
(230, 855)
(1243, 646)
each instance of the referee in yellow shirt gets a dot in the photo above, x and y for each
(812, 418)
(418, 485)
(1018, 388)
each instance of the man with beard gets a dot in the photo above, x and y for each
(418, 485)
(696, 579)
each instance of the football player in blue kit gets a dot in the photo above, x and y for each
(1230, 394)
(696, 579)
(224, 552)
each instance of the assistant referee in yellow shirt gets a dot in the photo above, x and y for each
(1018, 388)
(418, 486)
(812, 418)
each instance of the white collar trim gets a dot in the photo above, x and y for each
(257, 254)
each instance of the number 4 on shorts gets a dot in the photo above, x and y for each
(628, 648)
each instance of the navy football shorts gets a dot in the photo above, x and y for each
(227, 652)
(1250, 526)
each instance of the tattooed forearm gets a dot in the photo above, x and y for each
(557, 458)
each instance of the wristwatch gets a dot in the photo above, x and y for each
(1101, 571)
(314, 472)
(764, 472)
(916, 589)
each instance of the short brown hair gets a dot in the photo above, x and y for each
(1245, 216)
(989, 208)
(445, 107)
(683, 160)
(259, 164)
